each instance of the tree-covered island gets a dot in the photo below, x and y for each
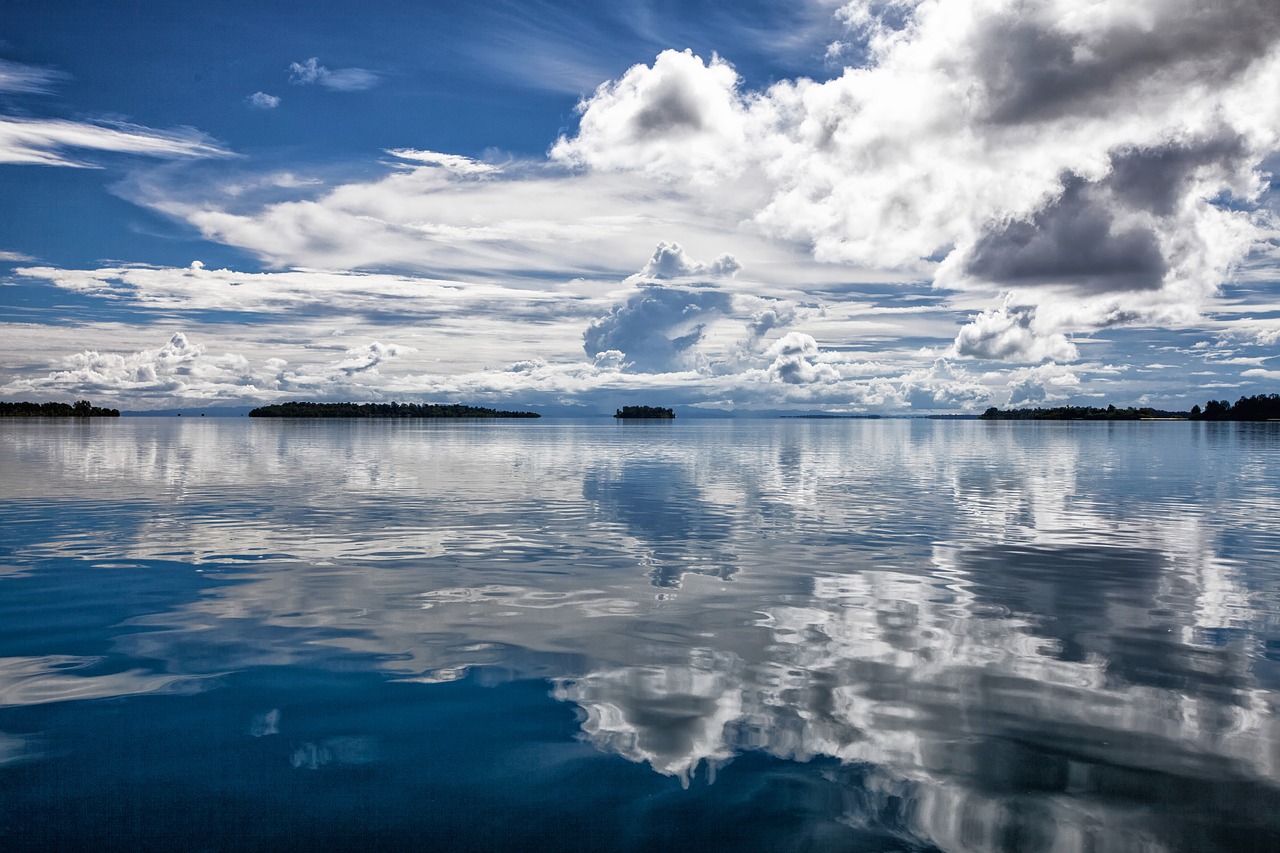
(1261, 407)
(81, 409)
(646, 412)
(382, 410)
(1077, 413)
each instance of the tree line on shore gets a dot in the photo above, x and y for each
(81, 409)
(1260, 407)
(381, 410)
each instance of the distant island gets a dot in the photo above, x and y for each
(649, 412)
(1261, 407)
(382, 410)
(81, 409)
(1078, 413)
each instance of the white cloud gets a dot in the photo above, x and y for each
(183, 370)
(454, 163)
(1031, 146)
(795, 361)
(1047, 383)
(15, 257)
(658, 328)
(340, 80)
(368, 357)
(1010, 334)
(680, 116)
(20, 78)
(263, 101)
(1096, 170)
(669, 261)
(45, 141)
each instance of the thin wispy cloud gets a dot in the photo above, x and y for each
(49, 142)
(17, 77)
(339, 80)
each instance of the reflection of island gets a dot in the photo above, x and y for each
(82, 409)
(649, 412)
(382, 410)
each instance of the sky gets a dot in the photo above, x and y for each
(908, 206)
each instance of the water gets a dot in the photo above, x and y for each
(754, 635)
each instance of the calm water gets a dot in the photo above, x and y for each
(768, 635)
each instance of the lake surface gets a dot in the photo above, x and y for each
(587, 635)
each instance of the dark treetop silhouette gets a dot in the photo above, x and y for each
(382, 410)
(82, 409)
(629, 412)
(1262, 407)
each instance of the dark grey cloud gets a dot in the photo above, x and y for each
(1074, 241)
(671, 106)
(656, 327)
(1088, 239)
(1032, 70)
(1156, 179)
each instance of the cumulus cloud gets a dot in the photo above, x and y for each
(368, 357)
(776, 314)
(679, 116)
(1010, 334)
(173, 368)
(1047, 383)
(45, 142)
(796, 362)
(340, 80)
(263, 101)
(1026, 145)
(670, 261)
(185, 370)
(658, 327)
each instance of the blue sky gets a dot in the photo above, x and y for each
(901, 206)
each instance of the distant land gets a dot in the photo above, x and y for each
(644, 412)
(1261, 407)
(81, 409)
(381, 410)
(1079, 413)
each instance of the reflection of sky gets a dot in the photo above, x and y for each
(1024, 630)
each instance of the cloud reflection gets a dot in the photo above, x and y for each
(994, 635)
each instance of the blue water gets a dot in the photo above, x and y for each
(588, 635)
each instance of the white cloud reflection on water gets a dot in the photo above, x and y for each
(1001, 625)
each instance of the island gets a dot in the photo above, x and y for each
(644, 412)
(1260, 407)
(382, 410)
(1078, 413)
(81, 409)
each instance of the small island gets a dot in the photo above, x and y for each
(81, 409)
(382, 410)
(644, 412)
